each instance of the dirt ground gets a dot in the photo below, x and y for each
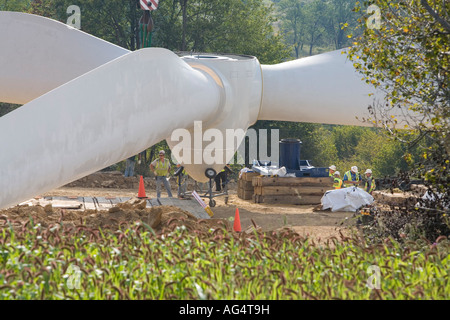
(319, 225)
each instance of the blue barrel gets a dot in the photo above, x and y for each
(290, 153)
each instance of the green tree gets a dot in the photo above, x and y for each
(293, 22)
(346, 138)
(7, 107)
(323, 148)
(235, 26)
(14, 5)
(315, 28)
(406, 56)
(321, 25)
(339, 21)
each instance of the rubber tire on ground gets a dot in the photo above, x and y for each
(212, 203)
(226, 200)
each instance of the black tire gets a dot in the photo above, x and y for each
(212, 203)
(210, 173)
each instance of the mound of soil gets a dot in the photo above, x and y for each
(113, 179)
(127, 213)
(116, 180)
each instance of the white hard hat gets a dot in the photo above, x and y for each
(337, 173)
(162, 152)
(354, 169)
(333, 167)
(368, 171)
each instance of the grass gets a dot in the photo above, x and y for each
(136, 263)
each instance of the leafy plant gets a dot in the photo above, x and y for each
(134, 262)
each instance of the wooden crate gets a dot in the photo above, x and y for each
(291, 181)
(287, 199)
(248, 176)
(301, 191)
(245, 186)
(294, 191)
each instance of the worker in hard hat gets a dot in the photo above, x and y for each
(161, 168)
(337, 180)
(221, 178)
(332, 170)
(369, 185)
(352, 177)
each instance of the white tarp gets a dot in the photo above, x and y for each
(346, 199)
(270, 171)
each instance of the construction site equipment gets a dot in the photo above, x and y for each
(68, 80)
(290, 153)
(237, 221)
(209, 193)
(141, 191)
(290, 158)
(202, 203)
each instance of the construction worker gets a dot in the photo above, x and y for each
(337, 180)
(332, 170)
(221, 178)
(352, 177)
(369, 185)
(161, 168)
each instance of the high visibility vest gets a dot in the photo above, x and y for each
(161, 168)
(348, 175)
(370, 185)
(337, 183)
(331, 174)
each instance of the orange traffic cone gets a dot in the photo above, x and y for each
(141, 193)
(237, 221)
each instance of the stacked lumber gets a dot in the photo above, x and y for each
(290, 190)
(245, 186)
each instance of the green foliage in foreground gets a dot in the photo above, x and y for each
(135, 263)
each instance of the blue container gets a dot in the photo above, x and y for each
(290, 154)
(312, 172)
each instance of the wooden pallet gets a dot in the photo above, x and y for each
(288, 199)
(245, 186)
(245, 194)
(290, 190)
(290, 181)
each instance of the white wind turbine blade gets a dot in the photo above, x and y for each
(324, 88)
(40, 54)
(114, 111)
